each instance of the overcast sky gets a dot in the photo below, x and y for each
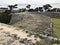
(40, 2)
(29, 1)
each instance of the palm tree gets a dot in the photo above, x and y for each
(47, 7)
(28, 6)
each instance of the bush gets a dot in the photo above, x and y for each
(14, 36)
(22, 26)
(36, 35)
(41, 37)
(26, 31)
(56, 41)
(5, 18)
(28, 35)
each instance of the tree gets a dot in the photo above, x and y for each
(47, 7)
(6, 16)
(36, 9)
(28, 6)
(12, 6)
(40, 9)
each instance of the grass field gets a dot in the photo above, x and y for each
(56, 27)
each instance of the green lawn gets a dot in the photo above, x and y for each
(56, 27)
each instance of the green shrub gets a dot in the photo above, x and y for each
(22, 27)
(26, 31)
(41, 37)
(57, 42)
(5, 18)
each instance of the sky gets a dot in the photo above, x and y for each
(32, 2)
(29, 1)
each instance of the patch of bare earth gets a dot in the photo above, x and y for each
(14, 36)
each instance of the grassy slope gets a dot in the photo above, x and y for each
(35, 22)
(56, 27)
